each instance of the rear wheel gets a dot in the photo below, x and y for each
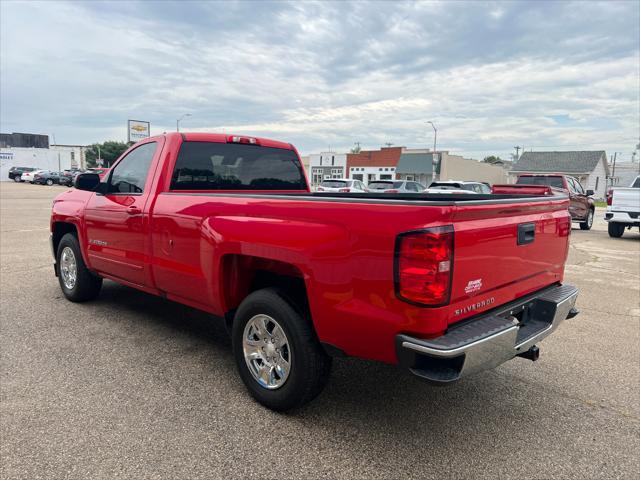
(588, 223)
(49, 182)
(17, 179)
(278, 356)
(77, 282)
(615, 229)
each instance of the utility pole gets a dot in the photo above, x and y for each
(613, 172)
(517, 147)
(178, 120)
(436, 175)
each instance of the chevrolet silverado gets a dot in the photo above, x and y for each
(443, 285)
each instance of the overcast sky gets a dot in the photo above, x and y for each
(543, 75)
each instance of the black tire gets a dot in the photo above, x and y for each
(17, 179)
(87, 285)
(615, 229)
(310, 365)
(588, 223)
(49, 182)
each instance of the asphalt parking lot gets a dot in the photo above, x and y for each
(137, 387)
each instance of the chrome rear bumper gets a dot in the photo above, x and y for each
(490, 339)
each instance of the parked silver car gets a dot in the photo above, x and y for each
(342, 185)
(475, 187)
(395, 186)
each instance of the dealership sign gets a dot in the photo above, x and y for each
(138, 130)
(6, 156)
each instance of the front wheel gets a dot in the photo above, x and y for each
(49, 182)
(277, 353)
(588, 223)
(77, 282)
(615, 229)
(17, 179)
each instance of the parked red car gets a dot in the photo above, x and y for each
(102, 172)
(444, 286)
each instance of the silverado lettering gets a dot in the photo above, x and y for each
(475, 306)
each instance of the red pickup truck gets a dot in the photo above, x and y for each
(444, 285)
(581, 205)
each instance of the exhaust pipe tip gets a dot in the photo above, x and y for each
(532, 354)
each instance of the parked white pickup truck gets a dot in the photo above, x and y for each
(623, 208)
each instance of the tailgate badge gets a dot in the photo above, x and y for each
(473, 286)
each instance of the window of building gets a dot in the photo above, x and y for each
(385, 177)
(597, 181)
(73, 156)
(231, 166)
(358, 176)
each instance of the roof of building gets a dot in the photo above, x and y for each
(415, 163)
(561, 162)
(385, 157)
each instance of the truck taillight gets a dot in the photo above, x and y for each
(423, 266)
(610, 196)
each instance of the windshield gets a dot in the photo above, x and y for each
(334, 183)
(384, 185)
(542, 180)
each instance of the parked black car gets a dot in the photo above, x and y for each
(49, 178)
(70, 175)
(15, 173)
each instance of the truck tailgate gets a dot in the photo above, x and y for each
(626, 200)
(505, 251)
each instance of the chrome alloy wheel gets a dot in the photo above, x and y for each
(68, 268)
(266, 351)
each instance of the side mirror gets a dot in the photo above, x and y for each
(87, 181)
(590, 193)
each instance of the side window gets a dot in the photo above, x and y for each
(578, 187)
(572, 185)
(231, 166)
(130, 174)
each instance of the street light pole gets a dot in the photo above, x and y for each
(435, 137)
(178, 120)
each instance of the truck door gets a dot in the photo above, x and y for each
(117, 221)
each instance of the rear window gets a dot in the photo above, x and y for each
(226, 166)
(334, 184)
(543, 180)
(445, 185)
(636, 183)
(384, 185)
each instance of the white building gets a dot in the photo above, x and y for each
(76, 153)
(326, 165)
(40, 158)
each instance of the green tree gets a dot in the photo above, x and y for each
(492, 159)
(109, 152)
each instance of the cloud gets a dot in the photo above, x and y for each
(490, 75)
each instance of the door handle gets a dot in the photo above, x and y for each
(526, 233)
(133, 210)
